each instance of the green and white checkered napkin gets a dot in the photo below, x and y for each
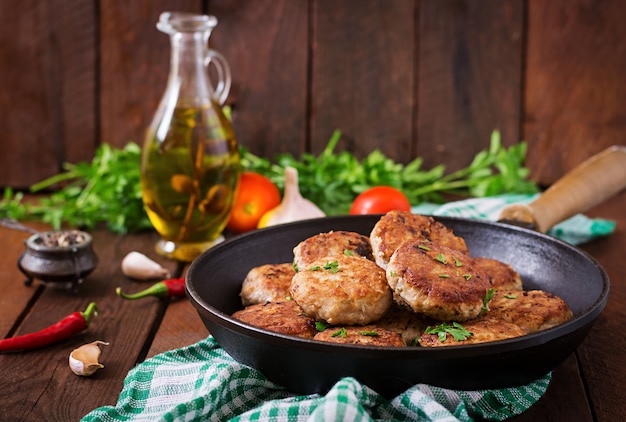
(201, 382)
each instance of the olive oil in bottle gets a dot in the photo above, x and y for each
(188, 181)
(190, 159)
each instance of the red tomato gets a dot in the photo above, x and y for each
(255, 196)
(380, 200)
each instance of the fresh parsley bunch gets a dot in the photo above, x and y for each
(106, 190)
(332, 180)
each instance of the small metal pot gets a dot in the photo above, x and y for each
(62, 266)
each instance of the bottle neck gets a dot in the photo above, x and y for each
(188, 72)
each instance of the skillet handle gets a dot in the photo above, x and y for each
(590, 183)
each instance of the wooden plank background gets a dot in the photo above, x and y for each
(428, 78)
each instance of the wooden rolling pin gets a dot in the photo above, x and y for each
(590, 183)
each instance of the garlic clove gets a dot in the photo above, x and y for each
(138, 266)
(294, 206)
(84, 360)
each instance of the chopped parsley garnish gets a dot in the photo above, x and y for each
(348, 252)
(487, 299)
(441, 259)
(370, 333)
(320, 326)
(426, 248)
(456, 330)
(510, 296)
(295, 267)
(444, 276)
(457, 262)
(467, 276)
(340, 333)
(333, 266)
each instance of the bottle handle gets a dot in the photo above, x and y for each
(222, 89)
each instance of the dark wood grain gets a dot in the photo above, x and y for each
(48, 390)
(181, 326)
(362, 67)
(47, 88)
(15, 298)
(429, 78)
(575, 95)
(267, 45)
(469, 78)
(134, 64)
(603, 353)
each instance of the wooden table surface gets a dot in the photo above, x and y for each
(38, 384)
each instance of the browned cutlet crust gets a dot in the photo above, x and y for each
(533, 310)
(267, 283)
(284, 317)
(405, 322)
(437, 281)
(362, 335)
(482, 330)
(331, 244)
(342, 290)
(501, 275)
(397, 227)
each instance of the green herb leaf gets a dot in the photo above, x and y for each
(320, 326)
(441, 259)
(456, 330)
(488, 296)
(332, 266)
(370, 333)
(342, 332)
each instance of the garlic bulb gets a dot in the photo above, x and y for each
(84, 360)
(138, 266)
(293, 207)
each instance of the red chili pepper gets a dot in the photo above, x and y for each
(68, 326)
(174, 287)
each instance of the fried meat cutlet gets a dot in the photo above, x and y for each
(404, 321)
(329, 244)
(397, 227)
(284, 317)
(342, 289)
(533, 310)
(437, 281)
(480, 330)
(363, 335)
(501, 275)
(267, 283)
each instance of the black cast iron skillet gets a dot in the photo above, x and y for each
(306, 366)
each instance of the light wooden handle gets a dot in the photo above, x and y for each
(589, 184)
